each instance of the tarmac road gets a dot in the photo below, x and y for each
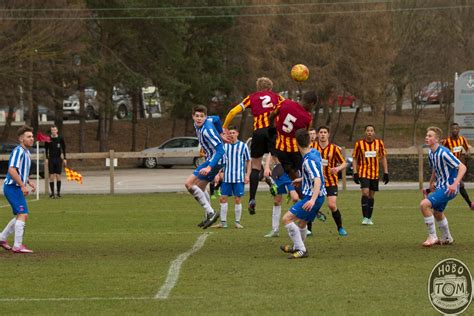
(141, 180)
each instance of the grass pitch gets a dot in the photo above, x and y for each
(111, 255)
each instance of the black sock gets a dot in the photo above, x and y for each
(217, 186)
(51, 187)
(337, 218)
(309, 226)
(364, 202)
(464, 194)
(371, 207)
(254, 178)
(211, 188)
(58, 185)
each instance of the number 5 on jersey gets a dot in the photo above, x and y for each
(288, 123)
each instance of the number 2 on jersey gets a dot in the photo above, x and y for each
(288, 123)
(266, 101)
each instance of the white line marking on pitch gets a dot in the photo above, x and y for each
(173, 272)
(59, 299)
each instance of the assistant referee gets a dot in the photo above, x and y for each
(55, 163)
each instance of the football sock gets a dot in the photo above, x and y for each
(208, 197)
(58, 185)
(337, 218)
(309, 226)
(276, 213)
(224, 207)
(371, 207)
(464, 194)
(364, 201)
(51, 187)
(19, 230)
(238, 212)
(254, 178)
(211, 187)
(217, 186)
(295, 235)
(444, 228)
(10, 228)
(303, 232)
(201, 198)
(430, 224)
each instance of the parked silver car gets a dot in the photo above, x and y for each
(176, 144)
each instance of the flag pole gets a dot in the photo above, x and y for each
(37, 171)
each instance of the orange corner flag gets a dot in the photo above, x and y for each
(72, 175)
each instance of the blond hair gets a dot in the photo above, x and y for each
(436, 130)
(264, 83)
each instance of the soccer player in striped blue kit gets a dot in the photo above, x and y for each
(208, 129)
(448, 172)
(313, 191)
(236, 174)
(15, 189)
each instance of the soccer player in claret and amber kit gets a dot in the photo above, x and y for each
(208, 129)
(15, 189)
(367, 155)
(332, 162)
(261, 103)
(446, 175)
(459, 146)
(289, 117)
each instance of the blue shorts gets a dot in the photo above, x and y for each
(306, 216)
(211, 175)
(232, 189)
(16, 199)
(439, 199)
(284, 184)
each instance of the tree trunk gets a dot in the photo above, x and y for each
(334, 132)
(82, 114)
(243, 125)
(399, 102)
(8, 120)
(384, 125)
(173, 127)
(316, 115)
(135, 103)
(354, 122)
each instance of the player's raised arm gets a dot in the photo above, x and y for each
(232, 113)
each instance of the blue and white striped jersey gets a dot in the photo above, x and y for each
(236, 155)
(445, 165)
(312, 168)
(20, 159)
(208, 137)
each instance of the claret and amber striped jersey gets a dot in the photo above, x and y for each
(456, 146)
(313, 144)
(261, 103)
(331, 157)
(367, 155)
(291, 117)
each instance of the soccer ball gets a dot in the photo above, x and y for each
(299, 73)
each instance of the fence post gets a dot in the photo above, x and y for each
(344, 174)
(420, 167)
(46, 175)
(111, 164)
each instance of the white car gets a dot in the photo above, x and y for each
(176, 144)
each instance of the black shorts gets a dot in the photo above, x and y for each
(372, 184)
(55, 165)
(289, 160)
(262, 143)
(332, 190)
